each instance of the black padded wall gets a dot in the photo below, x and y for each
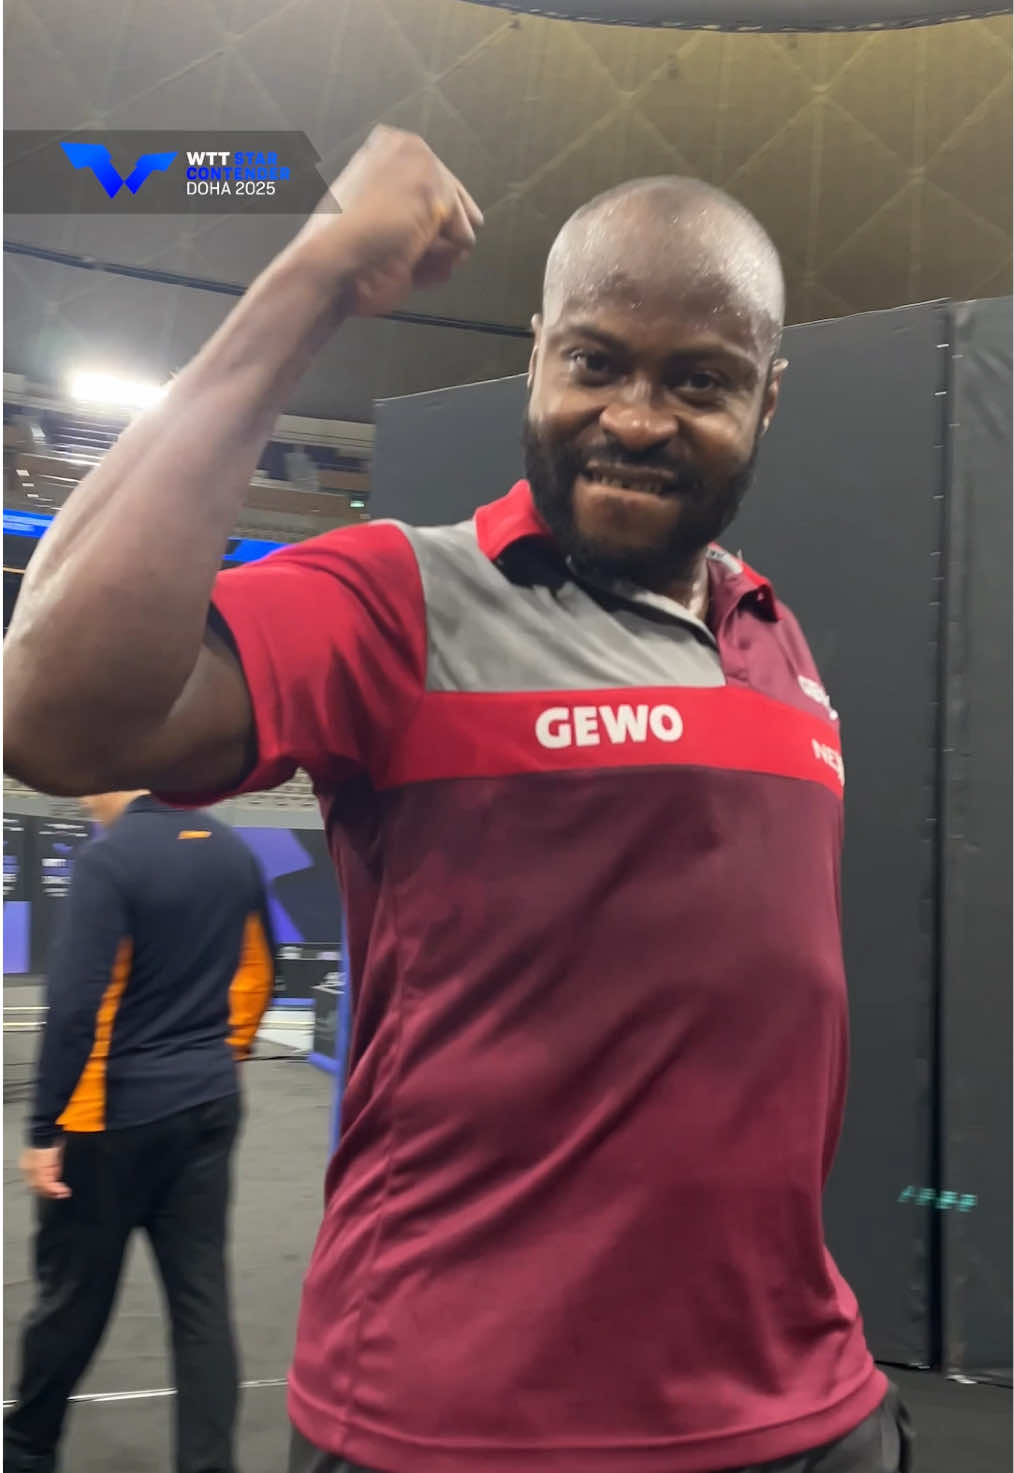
(976, 1145)
(438, 456)
(846, 519)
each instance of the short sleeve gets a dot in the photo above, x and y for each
(331, 637)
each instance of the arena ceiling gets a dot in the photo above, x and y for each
(880, 162)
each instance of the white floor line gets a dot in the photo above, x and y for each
(105, 1396)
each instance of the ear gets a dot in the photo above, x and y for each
(771, 392)
(534, 356)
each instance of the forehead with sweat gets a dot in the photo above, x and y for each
(669, 242)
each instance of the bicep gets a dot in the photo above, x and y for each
(208, 741)
(312, 658)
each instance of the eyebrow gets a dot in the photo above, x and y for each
(708, 347)
(586, 330)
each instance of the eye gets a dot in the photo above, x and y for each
(592, 363)
(702, 381)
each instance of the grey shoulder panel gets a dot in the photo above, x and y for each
(488, 633)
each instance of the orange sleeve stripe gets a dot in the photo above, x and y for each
(251, 987)
(86, 1109)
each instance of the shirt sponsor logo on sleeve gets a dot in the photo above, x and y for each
(816, 692)
(832, 757)
(589, 726)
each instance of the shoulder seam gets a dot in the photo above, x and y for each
(403, 530)
(425, 672)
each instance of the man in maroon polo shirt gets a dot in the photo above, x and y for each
(583, 788)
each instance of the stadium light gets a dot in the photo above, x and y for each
(109, 389)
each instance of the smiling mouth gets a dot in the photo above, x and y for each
(629, 480)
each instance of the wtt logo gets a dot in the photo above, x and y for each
(96, 156)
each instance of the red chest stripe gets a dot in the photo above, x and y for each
(459, 735)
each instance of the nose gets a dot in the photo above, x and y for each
(638, 424)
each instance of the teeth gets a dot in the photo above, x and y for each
(624, 485)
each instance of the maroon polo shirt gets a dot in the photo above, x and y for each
(589, 852)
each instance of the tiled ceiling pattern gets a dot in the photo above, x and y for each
(880, 162)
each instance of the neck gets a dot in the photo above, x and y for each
(118, 803)
(691, 588)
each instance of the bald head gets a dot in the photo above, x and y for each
(669, 237)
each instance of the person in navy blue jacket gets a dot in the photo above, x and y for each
(160, 976)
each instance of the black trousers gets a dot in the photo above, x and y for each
(882, 1443)
(171, 1178)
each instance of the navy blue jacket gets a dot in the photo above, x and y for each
(160, 976)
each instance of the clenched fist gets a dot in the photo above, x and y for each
(403, 221)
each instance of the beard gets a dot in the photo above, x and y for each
(706, 508)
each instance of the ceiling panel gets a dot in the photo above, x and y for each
(880, 163)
